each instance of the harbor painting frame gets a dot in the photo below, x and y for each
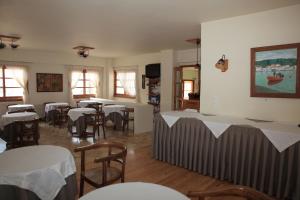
(275, 71)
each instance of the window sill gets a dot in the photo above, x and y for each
(82, 96)
(7, 99)
(124, 96)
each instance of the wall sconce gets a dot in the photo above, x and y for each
(222, 64)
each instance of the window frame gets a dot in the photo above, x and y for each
(183, 83)
(115, 87)
(84, 95)
(4, 98)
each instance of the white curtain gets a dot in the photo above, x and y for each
(128, 81)
(76, 74)
(20, 75)
(93, 76)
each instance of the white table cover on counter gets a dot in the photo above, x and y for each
(2, 145)
(134, 191)
(19, 107)
(75, 113)
(41, 169)
(281, 135)
(53, 106)
(22, 116)
(85, 103)
(113, 108)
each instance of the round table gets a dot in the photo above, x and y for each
(39, 171)
(19, 107)
(113, 108)
(53, 106)
(75, 113)
(134, 191)
(85, 103)
(22, 116)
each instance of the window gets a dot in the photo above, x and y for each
(125, 84)
(11, 80)
(84, 84)
(188, 87)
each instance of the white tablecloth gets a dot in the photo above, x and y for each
(75, 113)
(113, 108)
(282, 135)
(85, 103)
(134, 191)
(53, 106)
(2, 145)
(41, 169)
(19, 107)
(12, 117)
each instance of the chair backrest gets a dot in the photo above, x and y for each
(47, 103)
(63, 109)
(126, 112)
(119, 157)
(234, 190)
(29, 128)
(97, 106)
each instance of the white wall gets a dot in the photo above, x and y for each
(229, 93)
(47, 62)
(167, 65)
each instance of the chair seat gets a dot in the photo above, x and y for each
(95, 174)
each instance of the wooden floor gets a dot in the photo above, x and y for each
(140, 164)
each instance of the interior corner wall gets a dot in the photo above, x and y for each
(228, 93)
(167, 65)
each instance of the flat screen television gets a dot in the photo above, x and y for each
(153, 70)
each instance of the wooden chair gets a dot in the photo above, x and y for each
(61, 115)
(127, 118)
(90, 125)
(100, 118)
(230, 191)
(28, 132)
(106, 173)
(44, 106)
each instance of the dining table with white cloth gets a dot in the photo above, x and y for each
(85, 103)
(258, 153)
(115, 114)
(51, 108)
(134, 191)
(54, 106)
(19, 107)
(76, 119)
(38, 172)
(9, 118)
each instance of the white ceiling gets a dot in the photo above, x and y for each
(118, 27)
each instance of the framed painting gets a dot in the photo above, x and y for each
(46, 82)
(275, 71)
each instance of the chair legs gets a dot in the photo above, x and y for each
(103, 128)
(81, 186)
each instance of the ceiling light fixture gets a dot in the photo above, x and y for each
(2, 45)
(196, 41)
(10, 39)
(83, 51)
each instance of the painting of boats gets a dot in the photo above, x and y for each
(275, 71)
